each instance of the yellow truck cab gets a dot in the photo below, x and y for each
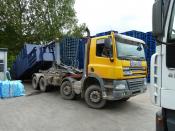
(114, 69)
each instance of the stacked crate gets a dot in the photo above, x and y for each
(150, 50)
(136, 34)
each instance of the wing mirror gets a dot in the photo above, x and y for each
(157, 18)
(108, 45)
(139, 48)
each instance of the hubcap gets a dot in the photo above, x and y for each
(95, 96)
(67, 90)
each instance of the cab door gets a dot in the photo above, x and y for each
(101, 60)
(168, 63)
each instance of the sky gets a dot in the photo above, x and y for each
(119, 15)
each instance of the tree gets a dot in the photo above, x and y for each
(36, 21)
(78, 30)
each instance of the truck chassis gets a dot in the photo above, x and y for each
(94, 90)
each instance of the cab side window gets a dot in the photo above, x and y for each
(103, 48)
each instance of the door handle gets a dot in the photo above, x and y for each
(92, 69)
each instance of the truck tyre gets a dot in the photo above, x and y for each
(94, 98)
(35, 83)
(67, 91)
(43, 85)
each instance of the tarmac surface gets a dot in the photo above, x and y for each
(49, 112)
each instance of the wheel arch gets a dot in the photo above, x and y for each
(92, 79)
(68, 79)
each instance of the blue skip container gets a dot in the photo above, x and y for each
(11, 89)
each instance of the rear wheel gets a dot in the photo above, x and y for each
(43, 85)
(67, 91)
(94, 98)
(35, 83)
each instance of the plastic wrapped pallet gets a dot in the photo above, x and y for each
(17, 88)
(5, 89)
(11, 89)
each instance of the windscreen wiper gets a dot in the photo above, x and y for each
(142, 58)
(133, 57)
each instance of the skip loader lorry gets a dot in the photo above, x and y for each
(163, 64)
(114, 69)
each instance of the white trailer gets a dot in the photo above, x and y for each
(3, 63)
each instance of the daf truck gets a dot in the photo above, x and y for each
(114, 69)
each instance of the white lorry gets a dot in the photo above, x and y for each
(163, 64)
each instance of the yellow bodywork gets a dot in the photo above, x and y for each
(106, 69)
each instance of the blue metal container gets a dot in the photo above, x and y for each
(32, 58)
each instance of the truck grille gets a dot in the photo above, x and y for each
(135, 84)
(137, 69)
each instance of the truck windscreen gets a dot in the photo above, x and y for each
(130, 51)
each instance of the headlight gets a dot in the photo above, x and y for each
(127, 73)
(120, 87)
(120, 84)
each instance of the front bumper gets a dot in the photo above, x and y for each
(133, 88)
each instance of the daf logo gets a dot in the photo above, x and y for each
(135, 63)
(171, 75)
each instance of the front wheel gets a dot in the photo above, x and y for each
(66, 91)
(94, 98)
